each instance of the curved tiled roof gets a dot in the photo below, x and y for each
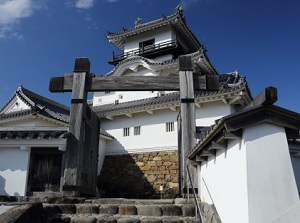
(228, 83)
(38, 105)
(205, 64)
(176, 20)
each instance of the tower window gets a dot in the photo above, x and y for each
(170, 127)
(126, 132)
(147, 45)
(137, 130)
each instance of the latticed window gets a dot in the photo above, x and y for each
(126, 132)
(170, 127)
(137, 130)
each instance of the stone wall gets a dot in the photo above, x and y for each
(140, 175)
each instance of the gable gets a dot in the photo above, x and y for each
(14, 105)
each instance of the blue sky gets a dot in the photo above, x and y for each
(40, 39)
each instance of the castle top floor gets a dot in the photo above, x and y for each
(167, 38)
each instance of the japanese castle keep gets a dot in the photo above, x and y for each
(243, 146)
(144, 124)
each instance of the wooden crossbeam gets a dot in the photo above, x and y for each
(125, 83)
(267, 97)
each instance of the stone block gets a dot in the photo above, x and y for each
(151, 163)
(67, 208)
(108, 209)
(128, 220)
(171, 220)
(151, 220)
(188, 210)
(84, 220)
(149, 210)
(151, 178)
(171, 210)
(127, 210)
(106, 219)
(26, 213)
(167, 164)
(83, 209)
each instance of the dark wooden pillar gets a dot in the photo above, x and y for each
(75, 141)
(188, 125)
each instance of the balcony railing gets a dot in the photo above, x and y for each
(145, 50)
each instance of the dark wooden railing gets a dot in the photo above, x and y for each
(146, 49)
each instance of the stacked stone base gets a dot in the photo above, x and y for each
(82, 210)
(140, 176)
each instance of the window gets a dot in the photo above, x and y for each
(170, 127)
(106, 92)
(126, 132)
(137, 130)
(146, 45)
(120, 96)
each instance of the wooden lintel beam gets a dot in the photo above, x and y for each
(267, 97)
(125, 83)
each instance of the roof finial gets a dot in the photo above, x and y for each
(137, 21)
(179, 9)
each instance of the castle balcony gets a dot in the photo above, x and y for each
(151, 51)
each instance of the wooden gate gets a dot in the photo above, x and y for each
(45, 170)
(82, 144)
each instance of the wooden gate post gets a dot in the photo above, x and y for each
(188, 125)
(75, 141)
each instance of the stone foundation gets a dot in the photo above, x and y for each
(140, 175)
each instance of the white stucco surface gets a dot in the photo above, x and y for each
(224, 183)
(252, 181)
(271, 183)
(13, 171)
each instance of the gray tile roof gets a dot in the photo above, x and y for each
(258, 114)
(176, 20)
(41, 105)
(228, 83)
(32, 134)
(38, 105)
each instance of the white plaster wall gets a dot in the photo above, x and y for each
(224, 183)
(101, 154)
(32, 122)
(209, 112)
(153, 128)
(271, 185)
(13, 171)
(153, 131)
(296, 168)
(160, 35)
(122, 96)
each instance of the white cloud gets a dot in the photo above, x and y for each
(11, 13)
(13, 10)
(84, 4)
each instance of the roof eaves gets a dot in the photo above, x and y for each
(266, 114)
